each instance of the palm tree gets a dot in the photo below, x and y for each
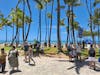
(4, 22)
(49, 39)
(26, 2)
(40, 7)
(71, 4)
(96, 20)
(46, 2)
(16, 17)
(89, 9)
(58, 27)
(29, 19)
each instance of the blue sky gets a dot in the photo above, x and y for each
(81, 13)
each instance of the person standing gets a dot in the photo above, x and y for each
(3, 59)
(78, 50)
(91, 58)
(30, 54)
(26, 47)
(38, 48)
(13, 58)
(69, 49)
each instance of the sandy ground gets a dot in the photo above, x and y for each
(52, 66)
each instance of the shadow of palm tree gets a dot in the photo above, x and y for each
(32, 64)
(98, 67)
(14, 71)
(4, 72)
(78, 65)
(62, 60)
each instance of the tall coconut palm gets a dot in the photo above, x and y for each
(96, 21)
(23, 25)
(71, 4)
(16, 16)
(29, 19)
(58, 27)
(46, 2)
(49, 39)
(89, 9)
(24, 3)
(46, 8)
(40, 7)
(5, 22)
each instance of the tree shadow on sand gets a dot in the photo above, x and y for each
(78, 65)
(97, 67)
(32, 64)
(63, 60)
(4, 72)
(14, 71)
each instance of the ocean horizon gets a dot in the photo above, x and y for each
(32, 41)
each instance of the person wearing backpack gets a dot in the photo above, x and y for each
(92, 55)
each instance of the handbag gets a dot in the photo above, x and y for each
(99, 59)
(99, 56)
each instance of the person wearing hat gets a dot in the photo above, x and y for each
(2, 60)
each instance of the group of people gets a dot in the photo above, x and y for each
(13, 57)
(74, 51)
(28, 51)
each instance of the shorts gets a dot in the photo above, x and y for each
(26, 52)
(79, 53)
(91, 59)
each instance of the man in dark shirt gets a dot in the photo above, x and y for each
(26, 47)
(92, 54)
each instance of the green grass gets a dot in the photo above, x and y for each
(53, 50)
(7, 48)
(50, 50)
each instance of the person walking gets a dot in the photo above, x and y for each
(26, 47)
(2, 60)
(30, 54)
(13, 58)
(91, 59)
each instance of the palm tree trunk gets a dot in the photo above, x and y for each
(90, 15)
(40, 24)
(49, 40)
(16, 29)
(98, 34)
(13, 31)
(14, 36)
(73, 32)
(23, 21)
(38, 33)
(68, 25)
(6, 34)
(46, 23)
(58, 27)
(30, 20)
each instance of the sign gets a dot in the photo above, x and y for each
(80, 32)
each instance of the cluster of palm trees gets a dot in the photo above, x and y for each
(19, 20)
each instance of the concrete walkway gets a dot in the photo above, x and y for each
(53, 66)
